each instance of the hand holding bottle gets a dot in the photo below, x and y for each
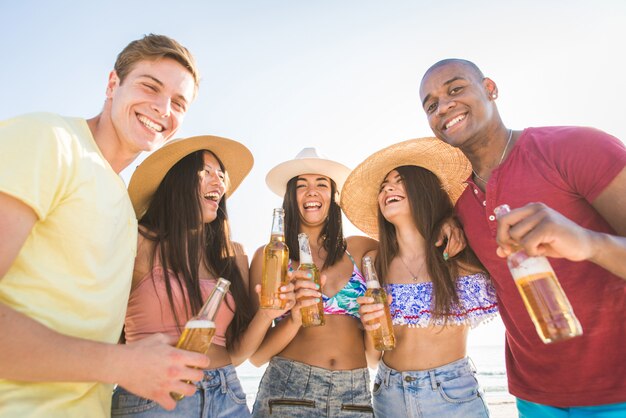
(542, 231)
(285, 293)
(369, 311)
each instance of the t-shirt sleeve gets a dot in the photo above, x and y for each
(587, 159)
(35, 161)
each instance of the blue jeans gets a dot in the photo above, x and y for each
(528, 409)
(218, 394)
(290, 389)
(447, 391)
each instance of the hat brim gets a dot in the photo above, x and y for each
(236, 158)
(359, 199)
(278, 177)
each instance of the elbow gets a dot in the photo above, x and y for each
(257, 360)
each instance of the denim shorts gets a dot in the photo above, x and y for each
(448, 391)
(218, 394)
(291, 389)
(528, 409)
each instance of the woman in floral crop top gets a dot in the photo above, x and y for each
(403, 195)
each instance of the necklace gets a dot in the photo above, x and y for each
(413, 276)
(508, 141)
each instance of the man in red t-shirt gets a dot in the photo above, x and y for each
(579, 175)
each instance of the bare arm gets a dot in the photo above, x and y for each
(152, 369)
(262, 320)
(278, 337)
(541, 230)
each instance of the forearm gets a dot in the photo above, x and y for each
(610, 253)
(275, 341)
(251, 338)
(372, 355)
(36, 353)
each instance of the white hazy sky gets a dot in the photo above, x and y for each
(343, 75)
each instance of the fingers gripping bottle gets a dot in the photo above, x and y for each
(543, 296)
(383, 336)
(313, 315)
(199, 330)
(275, 259)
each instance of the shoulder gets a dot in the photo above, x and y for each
(575, 137)
(239, 249)
(361, 244)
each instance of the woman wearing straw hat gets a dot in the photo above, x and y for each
(402, 195)
(179, 196)
(317, 371)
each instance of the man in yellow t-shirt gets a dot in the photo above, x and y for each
(68, 245)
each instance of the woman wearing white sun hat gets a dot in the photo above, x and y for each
(179, 196)
(403, 195)
(316, 371)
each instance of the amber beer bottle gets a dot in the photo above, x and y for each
(542, 293)
(383, 336)
(275, 259)
(313, 315)
(200, 329)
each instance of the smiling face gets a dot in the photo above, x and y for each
(313, 195)
(211, 187)
(147, 108)
(458, 102)
(392, 197)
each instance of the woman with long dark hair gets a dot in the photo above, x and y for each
(403, 195)
(179, 195)
(315, 371)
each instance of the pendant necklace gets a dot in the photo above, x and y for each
(413, 276)
(508, 141)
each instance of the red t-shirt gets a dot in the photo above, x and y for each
(566, 168)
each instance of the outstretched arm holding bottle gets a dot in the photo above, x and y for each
(540, 230)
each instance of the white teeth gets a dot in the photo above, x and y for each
(214, 196)
(149, 124)
(391, 199)
(455, 121)
(312, 205)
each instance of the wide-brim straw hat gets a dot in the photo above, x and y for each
(308, 161)
(236, 158)
(359, 199)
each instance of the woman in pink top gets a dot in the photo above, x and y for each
(179, 195)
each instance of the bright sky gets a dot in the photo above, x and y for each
(340, 75)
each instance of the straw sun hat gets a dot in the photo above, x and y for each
(308, 161)
(236, 158)
(359, 199)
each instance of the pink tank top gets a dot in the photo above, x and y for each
(149, 309)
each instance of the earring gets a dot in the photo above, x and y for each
(494, 95)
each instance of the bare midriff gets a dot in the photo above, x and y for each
(338, 345)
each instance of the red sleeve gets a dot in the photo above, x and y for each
(586, 158)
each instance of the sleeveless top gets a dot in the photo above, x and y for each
(149, 309)
(412, 302)
(344, 301)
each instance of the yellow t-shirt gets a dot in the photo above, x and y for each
(74, 271)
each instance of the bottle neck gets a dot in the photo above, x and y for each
(212, 305)
(371, 279)
(278, 225)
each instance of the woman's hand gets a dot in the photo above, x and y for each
(286, 292)
(369, 311)
(452, 235)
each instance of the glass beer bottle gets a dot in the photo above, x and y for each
(275, 259)
(313, 315)
(200, 329)
(542, 293)
(383, 336)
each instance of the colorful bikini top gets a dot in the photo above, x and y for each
(344, 301)
(412, 302)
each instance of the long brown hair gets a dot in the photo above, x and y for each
(183, 241)
(332, 231)
(430, 207)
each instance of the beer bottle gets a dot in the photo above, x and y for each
(200, 329)
(313, 315)
(275, 259)
(383, 336)
(542, 293)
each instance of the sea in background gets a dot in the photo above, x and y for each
(485, 348)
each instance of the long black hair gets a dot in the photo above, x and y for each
(174, 222)
(332, 231)
(431, 208)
